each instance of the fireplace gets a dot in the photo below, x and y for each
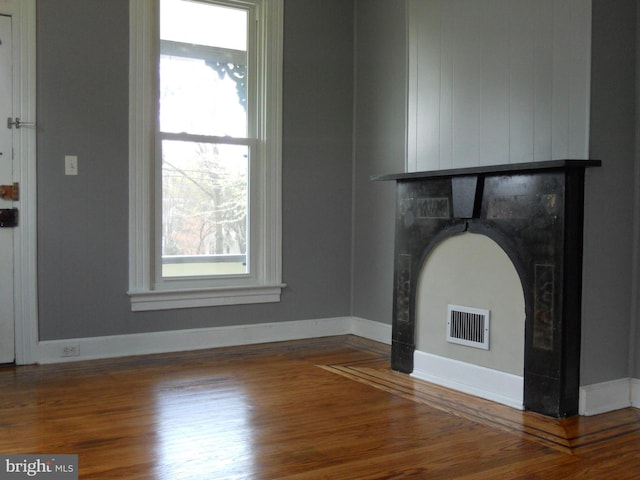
(534, 212)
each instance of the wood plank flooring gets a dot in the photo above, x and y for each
(315, 409)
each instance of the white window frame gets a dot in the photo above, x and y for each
(264, 283)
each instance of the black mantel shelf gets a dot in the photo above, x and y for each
(503, 168)
(534, 211)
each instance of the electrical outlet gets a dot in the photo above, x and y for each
(70, 351)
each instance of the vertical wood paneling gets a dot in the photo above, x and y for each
(467, 68)
(412, 89)
(580, 71)
(561, 79)
(543, 81)
(498, 81)
(427, 96)
(521, 80)
(446, 85)
(494, 115)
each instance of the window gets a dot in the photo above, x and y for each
(205, 128)
(206, 137)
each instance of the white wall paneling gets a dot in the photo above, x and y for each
(497, 81)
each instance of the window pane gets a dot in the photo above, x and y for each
(203, 23)
(196, 99)
(203, 69)
(204, 208)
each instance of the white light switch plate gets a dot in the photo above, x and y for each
(70, 164)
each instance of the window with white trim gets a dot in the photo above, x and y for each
(205, 143)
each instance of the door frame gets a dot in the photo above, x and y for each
(23, 13)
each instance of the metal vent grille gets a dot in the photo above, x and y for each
(468, 326)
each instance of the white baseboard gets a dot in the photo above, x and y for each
(56, 351)
(380, 332)
(608, 396)
(500, 387)
(635, 392)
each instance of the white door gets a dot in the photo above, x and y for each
(7, 321)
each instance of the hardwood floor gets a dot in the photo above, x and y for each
(315, 409)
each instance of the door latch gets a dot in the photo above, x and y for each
(8, 217)
(10, 192)
(18, 123)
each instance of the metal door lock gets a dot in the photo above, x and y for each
(10, 192)
(8, 217)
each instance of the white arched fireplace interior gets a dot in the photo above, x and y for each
(471, 270)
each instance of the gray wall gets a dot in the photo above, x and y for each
(607, 294)
(379, 140)
(83, 221)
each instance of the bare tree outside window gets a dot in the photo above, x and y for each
(204, 199)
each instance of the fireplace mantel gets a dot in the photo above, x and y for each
(504, 169)
(534, 211)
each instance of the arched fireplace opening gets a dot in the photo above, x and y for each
(471, 271)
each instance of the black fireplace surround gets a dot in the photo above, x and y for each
(534, 211)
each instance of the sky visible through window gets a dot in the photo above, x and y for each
(203, 24)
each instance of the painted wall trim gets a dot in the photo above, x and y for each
(25, 241)
(149, 291)
(608, 396)
(380, 332)
(500, 387)
(75, 349)
(635, 392)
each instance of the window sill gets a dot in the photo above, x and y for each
(209, 297)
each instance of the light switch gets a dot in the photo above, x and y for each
(71, 165)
